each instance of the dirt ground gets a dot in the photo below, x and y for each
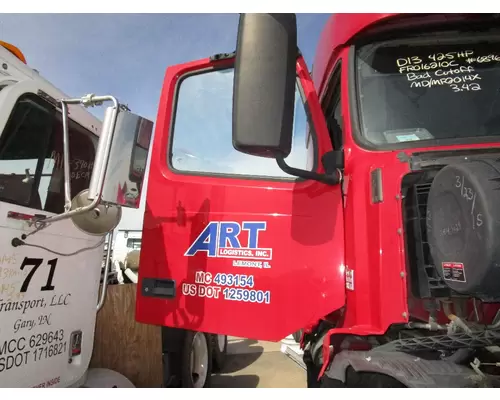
(252, 364)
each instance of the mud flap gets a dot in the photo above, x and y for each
(411, 371)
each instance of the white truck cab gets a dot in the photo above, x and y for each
(52, 228)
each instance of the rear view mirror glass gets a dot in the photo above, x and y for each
(127, 159)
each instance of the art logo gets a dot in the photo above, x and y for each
(224, 239)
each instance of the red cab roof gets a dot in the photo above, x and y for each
(339, 30)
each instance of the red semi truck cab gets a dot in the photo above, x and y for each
(359, 204)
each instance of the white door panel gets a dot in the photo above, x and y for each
(44, 298)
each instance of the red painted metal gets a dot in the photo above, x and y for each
(305, 230)
(314, 234)
(374, 233)
(337, 32)
(341, 30)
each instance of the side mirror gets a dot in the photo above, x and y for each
(124, 173)
(118, 172)
(264, 84)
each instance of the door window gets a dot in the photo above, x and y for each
(202, 131)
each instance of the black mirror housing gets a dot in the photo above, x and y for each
(264, 84)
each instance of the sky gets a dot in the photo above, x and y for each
(126, 55)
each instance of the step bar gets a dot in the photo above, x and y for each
(292, 349)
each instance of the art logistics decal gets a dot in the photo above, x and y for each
(222, 239)
(240, 243)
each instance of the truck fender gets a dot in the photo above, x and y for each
(410, 370)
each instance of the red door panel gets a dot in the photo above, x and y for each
(223, 251)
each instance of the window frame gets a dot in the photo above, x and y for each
(133, 242)
(210, 69)
(55, 113)
(333, 92)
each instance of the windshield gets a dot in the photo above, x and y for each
(432, 88)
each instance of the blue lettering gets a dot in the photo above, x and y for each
(224, 235)
(253, 229)
(206, 241)
(229, 231)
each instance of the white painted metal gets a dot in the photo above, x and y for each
(35, 326)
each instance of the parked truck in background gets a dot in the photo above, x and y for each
(359, 203)
(124, 259)
(125, 242)
(64, 178)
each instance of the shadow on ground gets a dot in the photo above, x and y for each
(252, 364)
(241, 354)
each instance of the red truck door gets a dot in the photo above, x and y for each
(231, 244)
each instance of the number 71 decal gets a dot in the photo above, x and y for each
(36, 263)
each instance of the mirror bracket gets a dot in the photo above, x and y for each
(89, 100)
(329, 179)
(228, 56)
(94, 210)
(223, 56)
(332, 161)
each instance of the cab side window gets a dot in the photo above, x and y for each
(31, 156)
